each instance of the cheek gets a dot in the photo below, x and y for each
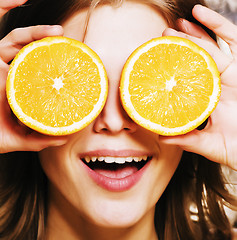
(50, 161)
(164, 168)
(54, 163)
(172, 156)
(66, 181)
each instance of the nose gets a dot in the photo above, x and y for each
(113, 119)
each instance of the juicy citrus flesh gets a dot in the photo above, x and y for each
(57, 85)
(170, 85)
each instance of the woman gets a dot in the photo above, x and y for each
(47, 188)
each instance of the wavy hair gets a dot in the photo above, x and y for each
(197, 182)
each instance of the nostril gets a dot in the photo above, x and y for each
(113, 119)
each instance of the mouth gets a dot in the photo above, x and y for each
(116, 173)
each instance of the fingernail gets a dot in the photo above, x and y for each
(200, 8)
(183, 24)
(170, 31)
(183, 21)
(54, 28)
(59, 142)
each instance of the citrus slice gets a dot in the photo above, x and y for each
(56, 85)
(170, 85)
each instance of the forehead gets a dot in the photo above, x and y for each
(116, 31)
(131, 19)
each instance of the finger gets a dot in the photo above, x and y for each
(218, 24)
(36, 141)
(221, 59)
(16, 39)
(194, 30)
(197, 142)
(30, 144)
(19, 138)
(185, 141)
(5, 6)
(3, 76)
(15, 136)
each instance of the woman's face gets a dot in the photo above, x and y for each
(101, 193)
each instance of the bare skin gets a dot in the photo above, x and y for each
(70, 204)
(14, 136)
(77, 202)
(217, 141)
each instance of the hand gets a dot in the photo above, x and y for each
(15, 136)
(218, 141)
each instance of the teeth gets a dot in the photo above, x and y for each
(109, 159)
(101, 159)
(119, 160)
(129, 159)
(136, 159)
(87, 159)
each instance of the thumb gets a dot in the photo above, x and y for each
(200, 142)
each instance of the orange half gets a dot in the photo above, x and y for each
(57, 85)
(170, 85)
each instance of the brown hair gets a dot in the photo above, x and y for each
(197, 182)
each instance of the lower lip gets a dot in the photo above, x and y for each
(117, 185)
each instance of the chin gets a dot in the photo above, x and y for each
(118, 213)
(115, 219)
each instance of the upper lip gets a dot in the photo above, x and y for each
(115, 153)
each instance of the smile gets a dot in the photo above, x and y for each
(116, 173)
(119, 160)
